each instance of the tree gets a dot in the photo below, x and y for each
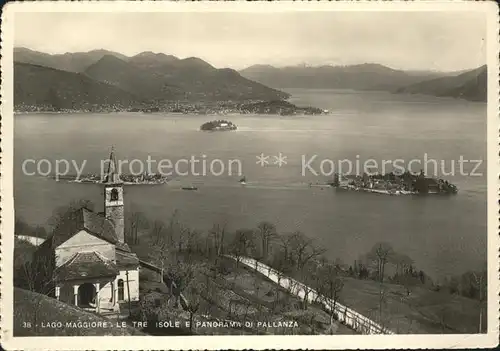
(183, 276)
(193, 304)
(35, 271)
(380, 254)
(136, 220)
(160, 255)
(64, 215)
(181, 237)
(481, 283)
(192, 241)
(285, 243)
(267, 232)
(157, 232)
(330, 285)
(23, 228)
(242, 243)
(172, 228)
(218, 234)
(303, 249)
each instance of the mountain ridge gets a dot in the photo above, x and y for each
(157, 77)
(371, 76)
(366, 76)
(146, 78)
(470, 85)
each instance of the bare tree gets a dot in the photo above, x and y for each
(181, 237)
(193, 304)
(160, 255)
(480, 280)
(66, 214)
(136, 220)
(192, 240)
(172, 228)
(330, 285)
(157, 232)
(383, 252)
(379, 256)
(382, 299)
(267, 232)
(242, 243)
(303, 249)
(39, 277)
(218, 234)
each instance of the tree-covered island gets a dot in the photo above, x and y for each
(218, 125)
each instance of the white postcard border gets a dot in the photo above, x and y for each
(246, 342)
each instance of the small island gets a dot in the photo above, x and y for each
(218, 125)
(406, 183)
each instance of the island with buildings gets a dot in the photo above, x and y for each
(406, 183)
(218, 125)
(127, 179)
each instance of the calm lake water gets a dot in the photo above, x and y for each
(444, 235)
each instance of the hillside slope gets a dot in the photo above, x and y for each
(471, 85)
(51, 89)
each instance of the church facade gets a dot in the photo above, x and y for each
(93, 267)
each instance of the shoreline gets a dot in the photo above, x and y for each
(268, 107)
(234, 113)
(378, 191)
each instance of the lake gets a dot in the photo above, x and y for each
(444, 235)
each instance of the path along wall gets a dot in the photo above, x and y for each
(345, 315)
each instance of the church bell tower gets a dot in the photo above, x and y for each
(113, 197)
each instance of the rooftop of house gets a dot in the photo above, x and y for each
(86, 265)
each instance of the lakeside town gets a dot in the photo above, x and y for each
(273, 107)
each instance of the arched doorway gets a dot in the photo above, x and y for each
(121, 294)
(86, 294)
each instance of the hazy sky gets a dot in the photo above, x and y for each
(406, 40)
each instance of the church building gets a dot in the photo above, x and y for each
(93, 267)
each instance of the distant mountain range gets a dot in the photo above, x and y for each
(461, 84)
(110, 80)
(146, 78)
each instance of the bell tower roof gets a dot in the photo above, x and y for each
(111, 175)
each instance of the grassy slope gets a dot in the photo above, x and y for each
(424, 311)
(33, 308)
(243, 295)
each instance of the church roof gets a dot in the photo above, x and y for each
(83, 265)
(84, 219)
